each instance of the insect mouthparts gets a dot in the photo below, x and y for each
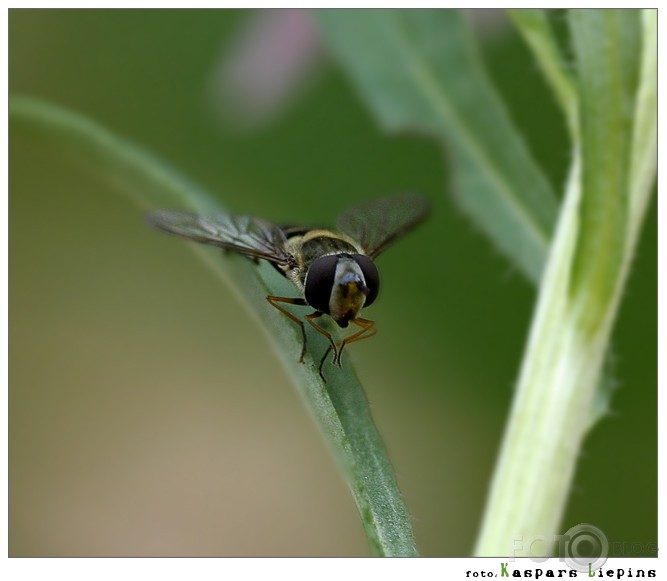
(352, 287)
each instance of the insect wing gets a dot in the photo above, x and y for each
(378, 223)
(245, 234)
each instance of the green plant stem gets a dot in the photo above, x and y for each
(339, 407)
(580, 293)
(542, 440)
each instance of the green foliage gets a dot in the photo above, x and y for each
(420, 70)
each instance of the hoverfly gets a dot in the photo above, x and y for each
(334, 271)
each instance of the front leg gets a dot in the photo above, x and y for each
(302, 303)
(332, 344)
(367, 330)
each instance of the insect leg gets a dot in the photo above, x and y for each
(310, 318)
(367, 330)
(324, 357)
(302, 303)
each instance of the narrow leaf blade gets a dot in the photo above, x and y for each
(533, 24)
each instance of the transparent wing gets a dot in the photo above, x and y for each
(245, 234)
(378, 223)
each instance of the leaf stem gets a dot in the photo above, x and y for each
(580, 293)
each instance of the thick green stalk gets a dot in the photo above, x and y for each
(606, 198)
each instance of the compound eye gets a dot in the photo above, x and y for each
(371, 276)
(320, 281)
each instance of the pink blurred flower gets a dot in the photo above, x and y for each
(269, 62)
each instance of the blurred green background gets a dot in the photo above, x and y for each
(148, 413)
